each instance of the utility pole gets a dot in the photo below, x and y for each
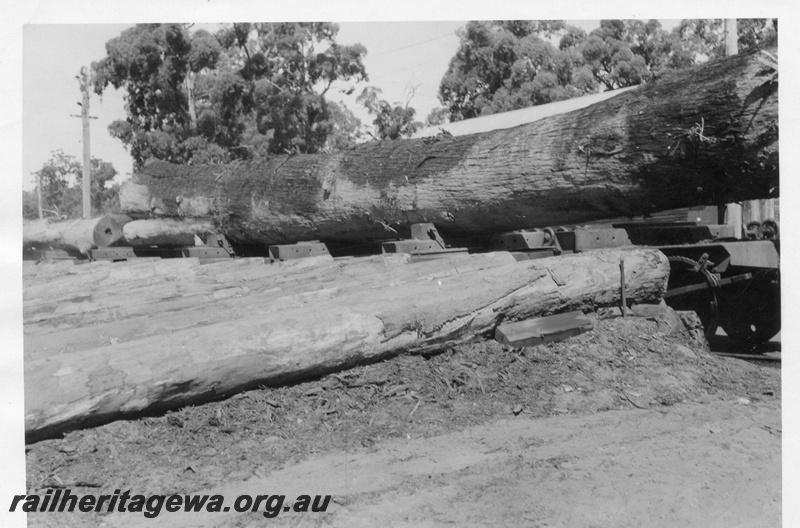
(85, 81)
(731, 37)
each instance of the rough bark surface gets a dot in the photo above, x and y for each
(300, 320)
(705, 135)
(81, 235)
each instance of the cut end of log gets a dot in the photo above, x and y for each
(107, 231)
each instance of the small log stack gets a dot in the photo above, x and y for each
(78, 235)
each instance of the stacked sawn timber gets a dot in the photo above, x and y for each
(110, 340)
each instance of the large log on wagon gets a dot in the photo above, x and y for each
(298, 323)
(81, 235)
(702, 136)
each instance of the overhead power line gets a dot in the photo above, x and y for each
(413, 45)
(417, 66)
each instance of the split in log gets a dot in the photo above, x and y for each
(81, 235)
(701, 136)
(309, 332)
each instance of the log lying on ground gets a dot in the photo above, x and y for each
(278, 335)
(701, 136)
(99, 315)
(81, 235)
(85, 280)
(166, 232)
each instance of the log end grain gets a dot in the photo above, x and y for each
(106, 231)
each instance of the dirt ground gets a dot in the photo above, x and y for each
(634, 423)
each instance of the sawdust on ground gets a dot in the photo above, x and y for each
(632, 424)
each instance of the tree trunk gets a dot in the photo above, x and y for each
(166, 232)
(81, 235)
(190, 98)
(701, 136)
(303, 321)
(757, 211)
(39, 196)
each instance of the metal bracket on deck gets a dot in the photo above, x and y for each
(524, 245)
(219, 241)
(665, 233)
(53, 255)
(216, 247)
(550, 241)
(425, 243)
(586, 239)
(298, 250)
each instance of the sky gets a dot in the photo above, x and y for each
(404, 59)
(401, 56)
(59, 36)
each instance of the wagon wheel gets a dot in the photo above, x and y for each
(753, 231)
(754, 316)
(686, 272)
(769, 230)
(549, 236)
(752, 328)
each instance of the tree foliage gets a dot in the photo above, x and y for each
(346, 130)
(62, 188)
(248, 91)
(392, 121)
(705, 38)
(438, 116)
(506, 65)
